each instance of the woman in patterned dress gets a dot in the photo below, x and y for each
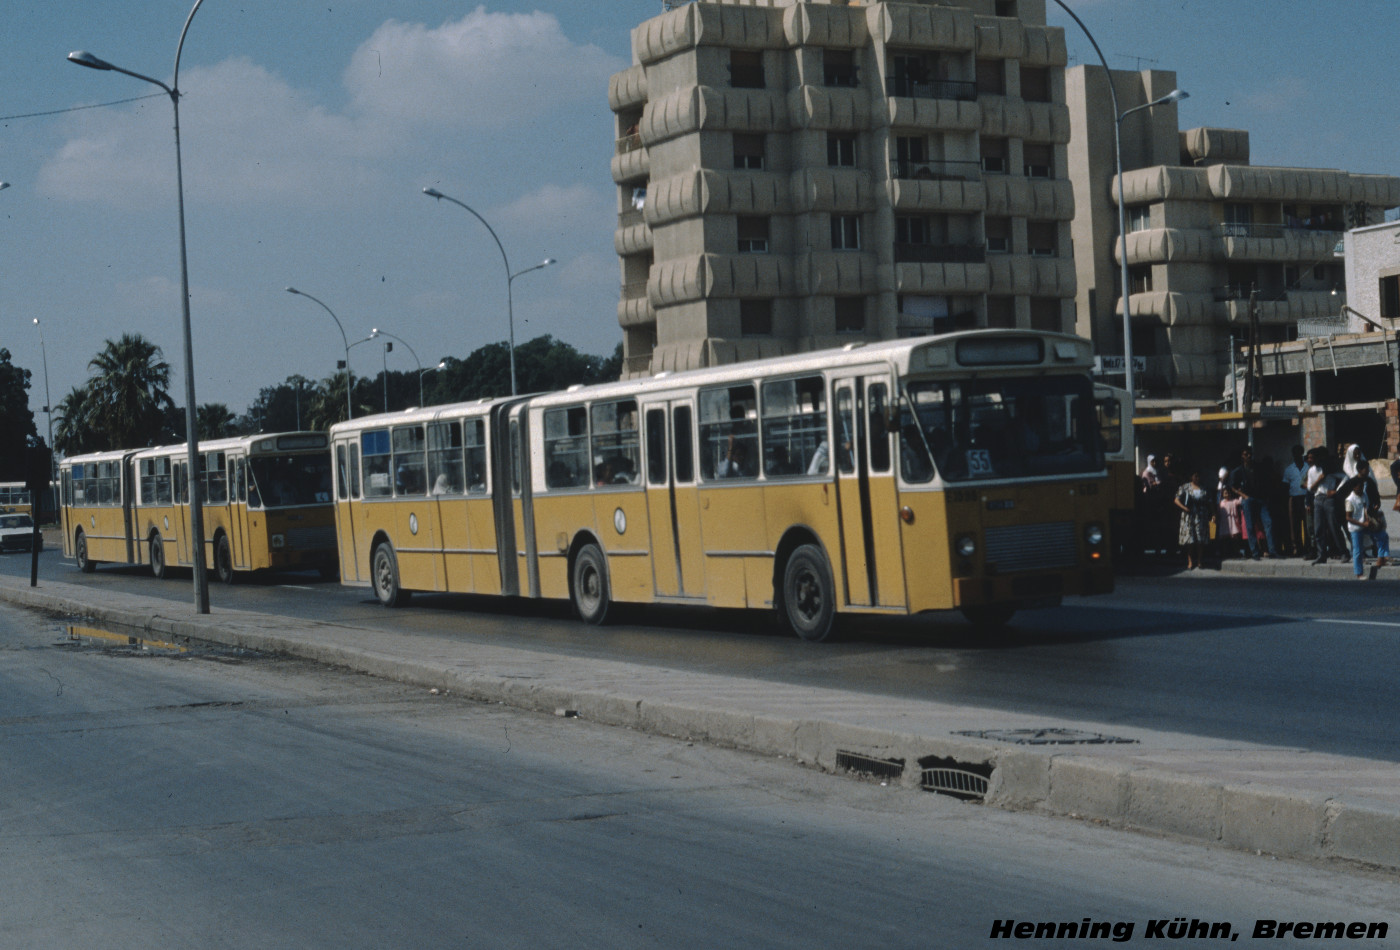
(1197, 507)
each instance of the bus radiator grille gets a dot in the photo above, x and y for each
(1031, 547)
(306, 539)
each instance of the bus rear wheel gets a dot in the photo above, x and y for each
(989, 615)
(808, 602)
(590, 585)
(223, 560)
(80, 554)
(384, 576)
(158, 569)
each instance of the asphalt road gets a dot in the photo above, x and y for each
(1307, 664)
(224, 799)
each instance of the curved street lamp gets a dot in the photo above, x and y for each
(421, 370)
(349, 380)
(201, 576)
(510, 278)
(1176, 95)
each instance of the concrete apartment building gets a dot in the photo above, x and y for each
(1206, 230)
(799, 174)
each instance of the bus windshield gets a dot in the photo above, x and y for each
(283, 481)
(1012, 427)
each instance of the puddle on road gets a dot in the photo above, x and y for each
(115, 640)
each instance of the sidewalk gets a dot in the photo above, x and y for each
(1283, 801)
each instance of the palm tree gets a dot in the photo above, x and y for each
(214, 421)
(129, 392)
(73, 431)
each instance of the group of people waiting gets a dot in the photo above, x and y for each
(1329, 505)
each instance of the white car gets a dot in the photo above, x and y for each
(17, 533)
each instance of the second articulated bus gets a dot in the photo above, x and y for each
(964, 471)
(267, 505)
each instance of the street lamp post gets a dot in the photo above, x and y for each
(349, 379)
(201, 576)
(421, 370)
(1176, 95)
(48, 401)
(510, 278)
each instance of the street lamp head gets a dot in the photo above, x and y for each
(548, 261)
(374, 332)
(433, 193)
(84, 58)
(4, 185)
(36, 321)
(293, 290)
(1176, 95)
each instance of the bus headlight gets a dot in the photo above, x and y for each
(279, 541)
(1093, 534)
(966, 546)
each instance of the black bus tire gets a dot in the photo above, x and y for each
(808, 602)
(589, 589)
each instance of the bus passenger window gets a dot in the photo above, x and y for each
(566, 448)
(374, 445)
(474, 435)
(410, 465)
(729, 433)
(445, 458)
(794, 428)
(217, 492)
(615, 444)
(342, 487)
(681, 438)
(354, 470)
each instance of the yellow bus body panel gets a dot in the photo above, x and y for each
(105, 530)
(734, 528)
(628, 550)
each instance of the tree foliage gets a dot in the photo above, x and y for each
(16, 418)
(124, 404)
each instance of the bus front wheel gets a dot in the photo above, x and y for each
(384, 575)
(80, 554)
(808, 603)
(590, 587)
(223, 560)
(988, 615)
(158, 570)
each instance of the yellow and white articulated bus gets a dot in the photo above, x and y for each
(267, 506)
(961, 471)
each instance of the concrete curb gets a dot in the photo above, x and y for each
(1206, 797)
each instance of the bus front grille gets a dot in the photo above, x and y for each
(311, 539)
(1031, 547)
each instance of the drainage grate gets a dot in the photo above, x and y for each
(869, 765)
(946, 776)
(1045, 736)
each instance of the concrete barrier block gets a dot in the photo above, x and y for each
(1020, 779)
(1089, 788)
(1272, 820)
(1177, 804)
(1364, 831)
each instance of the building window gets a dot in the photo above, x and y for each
(756, 318)
(841, 149)
(1035, 84)
(753, 235)
(1041, 238)
(1001, 313)
(991, 77)
(1006, 8)
(998, 235)
(910, 229)
(746, 69)
(1047, 314)
(1139, 217)
(1390, 297)
(1238, 220)
(1039, 160)
(839, 67)
(1140, 279)
(993, 152)
(845, 232)
(748, 150)
(850, 314)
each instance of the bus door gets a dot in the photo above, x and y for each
(673, 509)
(238, 513)
(128, 489)
(868, 502)
(184, 491)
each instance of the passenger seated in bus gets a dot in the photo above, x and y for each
(779, 462)
(442, 485)
(735, 461)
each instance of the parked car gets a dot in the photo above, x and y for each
(17, 533)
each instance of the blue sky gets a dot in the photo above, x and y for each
(309, 130)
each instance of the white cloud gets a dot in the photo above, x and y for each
(486, 69)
